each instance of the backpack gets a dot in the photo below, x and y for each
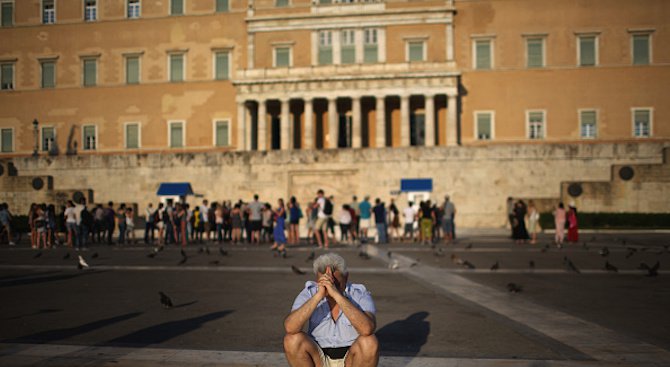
(328, 208)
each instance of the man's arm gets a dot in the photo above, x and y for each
(363, 322)
(296, 319)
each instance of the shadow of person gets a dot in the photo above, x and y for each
(404, 337)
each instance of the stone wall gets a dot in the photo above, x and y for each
(479, 179)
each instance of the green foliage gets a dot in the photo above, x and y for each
(613, 220)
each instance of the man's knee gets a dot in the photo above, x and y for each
(368, 345)
(294, 342)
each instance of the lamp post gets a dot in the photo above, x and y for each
(35, 135)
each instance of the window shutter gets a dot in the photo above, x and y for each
(484, 126)
(132, 136)
(176, 68)
(133, 70)
(89, 72)
(222, 133)
(7, 14)
(587, 51)
(222, 5)
(176, 135)
(7, 76)
(48, 74)
(483, 49)
(48, 137)
(221, 65)
(282, 57)
(416, 51)
(281, 3)
(7, 141)
(89, 137)
(641, 49)
(177, 7)
(535, 53)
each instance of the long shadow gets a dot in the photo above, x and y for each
(45, 279)
(27, 275)
(404, 337)
(60, 334)
(163, 332)
(40, 312)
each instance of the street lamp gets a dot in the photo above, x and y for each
(35, 124)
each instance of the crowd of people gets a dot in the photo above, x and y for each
(519, 213)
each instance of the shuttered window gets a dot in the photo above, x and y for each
(7, 9)
(536, 125)
(483, 55)
(132, 70)
(642, 123)
(176, 7)
(415, 51)
(222, 134)
(587, 50)
(89, 137)
(370, 46)
(48, 138)
(7, 76)
(281, 3)
(48, 11)
(90, 72)
(325, 48)
(48, 74)
(641, 49)
(7, 140)
(221, 67)
(176, 67)
(588, 120)
(176, 134)
(282, 57)
(484, 126)
(222, 6)
(134, 9)
(132, 136)
(348, 46)
(535, 49)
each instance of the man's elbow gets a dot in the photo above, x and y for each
(291, 329)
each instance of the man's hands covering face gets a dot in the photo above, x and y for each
(327, 283)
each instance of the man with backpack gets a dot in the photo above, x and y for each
(323, 207)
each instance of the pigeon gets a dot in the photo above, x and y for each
(364, 255)
(82, 263)
(531, 265)
(439, 253)
(455, 259)
(469, 246)
(165, 300)
(223, 252)
(545, 248)
(207, 250)
(310, 257)
(67, 256)
(94, 256)
(651, 271)
(201, 250)
(37, 255)
(585, 246)
(395, 264)
(297, 270)
(183, 253)
(215, 262)
(389, 254)
(514, 288)
(570, 266)
(495, 266)
(604, 252)
(631, 252)
(610, 267)
(468, 265)
(182, 261)
(151, 255)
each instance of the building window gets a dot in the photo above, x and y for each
(222, 65)
(281, 3)
(325, 48)
(484, 125)
(370, 46)
(90, 72)
(89, 137)
(588, 124)
(132, 69)
(7, 16)
(588, 50)
(536, 124)
(222, 6)
(48, 74)
(48, 11)
(132, 136)
(221, 133)
(90, 10)
(483, 59)
(348, 46)
(7, 140)
(176, 67)
(642, 120)
(7, 76)
(48, 139)
(282, 57)
(176, 134)
(134, 9)
(176, 7)
(641, 49)
(416, 51)
(535, 52)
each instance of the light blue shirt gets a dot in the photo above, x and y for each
(325, 331)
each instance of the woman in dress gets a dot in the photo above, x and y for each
(520, 234)
(573, 228)
(559, 221)
(533, 222)
(40, 225)
(294, 226)
(278, 232)
(160, 218)
(236, 219)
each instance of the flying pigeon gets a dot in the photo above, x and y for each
(165, 300)
(297, 271)
(514, 288)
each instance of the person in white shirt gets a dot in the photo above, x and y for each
(204, 216)
(345, 223)
(71, 224)
(149, 224)
(410, 216)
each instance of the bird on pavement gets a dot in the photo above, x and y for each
(468, 265)
(223, 252)
(297, 271)
(153, 253)
(495, 266)
(531, 265)
(570, 266)
(215, 262)
(183, 253)
(37, 255)
(201, 249)
(610, 267)
(604, 252)
(165, 300)
(469, 246)
(364, 255)
(514, 288)
(439, 253)
(183, 260)
(310, 257)
(95, 255)
(207, 250)
(631, 252)
(651, 271)
(67, 256)
(389, 254)
(545, 248)
(82, 263)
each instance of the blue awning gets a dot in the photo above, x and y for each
(416, 184)
(174, 189)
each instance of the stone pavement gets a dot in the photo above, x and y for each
(229, 310)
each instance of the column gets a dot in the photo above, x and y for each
(250, 51)
(380, 123)
(450, 42)
(284, 124)
(429, 110)
(452, 138)
(356, 122)
(337, 57)
(315, 48)
(241, 127)
(333, 124)
(404, 120)
(358, 38)
(262, 126)
(308, 133)
(381, 44)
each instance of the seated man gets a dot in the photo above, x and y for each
(341, 319)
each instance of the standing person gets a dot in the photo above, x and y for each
(159, 220)
(329, 210)
(71, 224)
(218, 221)
(295, 215)
(573, 227)
(311, 219)
(448, 219)
(197, 224)
(110, 219)
(182, 215)
(227, 222)
(150, 224)
(40, 226)
(31, 225)
(6, 222)
(559, 221)
(121, 223)
(426, 221)
(267, 219)
(410, 216)
(394, 219)
(380, 221)
(236, 221)
(98, 223)
(365, 210)
(52, 236)
(345, 222)
(278, 232)
(81, 224)
(533, 222)
(510, 215)
(130, 225)
(321, 219)
(352, 228)
(85, 224)
(355, 219)
(205, 214)
(254, 209)
(520, 233)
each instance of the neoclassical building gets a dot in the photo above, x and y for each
(97, 78)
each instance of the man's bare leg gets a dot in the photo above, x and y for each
(301, 351)
(363, 353)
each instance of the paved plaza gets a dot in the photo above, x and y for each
(229, 310)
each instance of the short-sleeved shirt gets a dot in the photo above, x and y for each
(364, 208)
(449, 209)
(321, 206)
(255, 208)
(204, 210)
(325, 331)
(4, 217)
(410, 213)
(380, 214)
(70, 215)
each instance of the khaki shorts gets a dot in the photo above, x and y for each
(327, 362)
(321, 223)
(364, 224)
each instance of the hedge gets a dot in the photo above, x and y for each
(614, 220)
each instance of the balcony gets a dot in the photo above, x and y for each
(326, 7)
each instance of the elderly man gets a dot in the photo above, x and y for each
(341, 319)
